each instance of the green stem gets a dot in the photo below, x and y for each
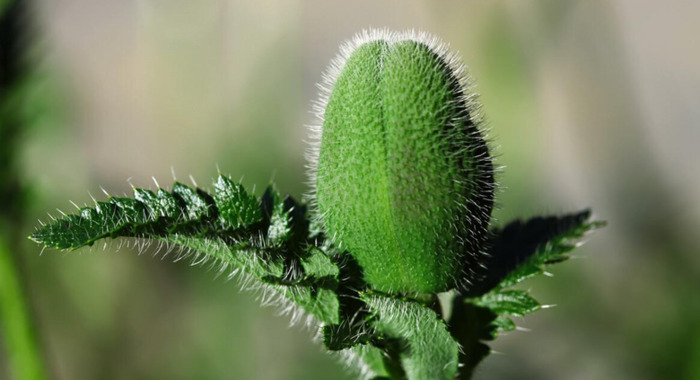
(23, 354)
(468, 325)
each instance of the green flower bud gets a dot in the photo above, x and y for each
(403, 177)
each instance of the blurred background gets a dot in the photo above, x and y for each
(591, 103)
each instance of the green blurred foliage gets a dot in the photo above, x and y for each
(131, 89)
(18, 340)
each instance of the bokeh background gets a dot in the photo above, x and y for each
(591, 103)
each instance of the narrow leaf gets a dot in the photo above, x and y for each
(266, 238)
(183, 211)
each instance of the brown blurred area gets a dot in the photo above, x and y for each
(590, 103)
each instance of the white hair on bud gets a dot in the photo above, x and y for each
(330, 76)
(469, 98)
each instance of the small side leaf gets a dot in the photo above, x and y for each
(160, 205)
(503, 323)
(513, 302)
(236, 208)
(520, 249)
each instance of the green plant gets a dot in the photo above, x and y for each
(404, 188)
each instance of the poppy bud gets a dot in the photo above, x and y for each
(403, 176)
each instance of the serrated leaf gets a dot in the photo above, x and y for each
(426, 350)
(503, 323)
(196, 206)
(162, 204)
(183, 211)
(518, 251)
(318, 264)
(266, 239)
(280, 228)
(513, 302)
(236, 208)
(521, 249)
(90, 225)
(288, 223)
(131, 210)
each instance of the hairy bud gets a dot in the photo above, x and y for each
(403, 177)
